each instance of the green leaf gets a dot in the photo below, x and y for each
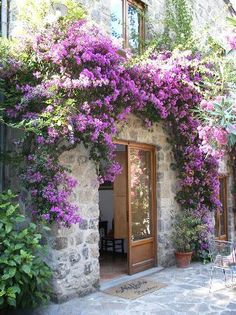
(23, 233)
(17, 259)
(2, 293)
(11, 209)
(11, 293)
(20, 218)
(26, 269)
(8, 227)
(9, 273)
(11, 263)
(16, 289)
(18, 246)
(11, 301)
(232, 21)
(232, 140)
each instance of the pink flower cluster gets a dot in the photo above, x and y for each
(213, 140)
(232, 42)
(218, 130)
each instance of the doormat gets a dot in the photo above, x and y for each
(136, 288)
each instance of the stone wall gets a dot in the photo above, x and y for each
(133, 130)
(73, 253)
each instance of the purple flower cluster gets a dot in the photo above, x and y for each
(81, 88)
(50, 188)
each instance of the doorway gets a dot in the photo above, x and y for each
(127, 222)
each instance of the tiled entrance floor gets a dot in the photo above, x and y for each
(112, 266)
(187, 293)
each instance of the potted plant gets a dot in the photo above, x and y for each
(185, 233)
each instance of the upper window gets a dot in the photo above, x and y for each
(4, 18)
(127, 23)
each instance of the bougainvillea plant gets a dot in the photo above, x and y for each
(71, 85)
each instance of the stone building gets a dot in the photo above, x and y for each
(74, 254)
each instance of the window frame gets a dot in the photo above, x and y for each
(141, 6)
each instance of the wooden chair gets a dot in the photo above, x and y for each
(109, 241)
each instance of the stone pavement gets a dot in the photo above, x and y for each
(187, 293)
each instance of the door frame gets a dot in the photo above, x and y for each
(223, 237)
(152, 148)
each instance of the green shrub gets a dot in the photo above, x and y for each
(186, 230)
(24, 277)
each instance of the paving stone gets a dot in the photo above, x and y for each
(203, 308)
(179, 297)
(232, 306)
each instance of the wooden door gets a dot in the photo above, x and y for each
(221, 217)
(141, 208)
(120, 198)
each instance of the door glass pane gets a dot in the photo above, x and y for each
(117, 18)
(141, 193)
(133, 28)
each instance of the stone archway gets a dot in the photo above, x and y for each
(74, 252)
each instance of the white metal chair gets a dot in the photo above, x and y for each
(223, 254)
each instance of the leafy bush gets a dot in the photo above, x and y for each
(24, 277)
(186, 230)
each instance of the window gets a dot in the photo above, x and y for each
(127, 23)
(4, 17)
(221, 216)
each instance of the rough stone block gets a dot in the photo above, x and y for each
(92, 238)
(83, 224)
(74, 258)
(79, 238)
(88, 268)
(85, 252)
(93, 224)
(60, 271)
(59, 243)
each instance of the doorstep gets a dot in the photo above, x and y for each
(107, 284)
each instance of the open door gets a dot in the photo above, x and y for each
(141, 208)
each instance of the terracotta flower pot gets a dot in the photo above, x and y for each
(183, 259)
